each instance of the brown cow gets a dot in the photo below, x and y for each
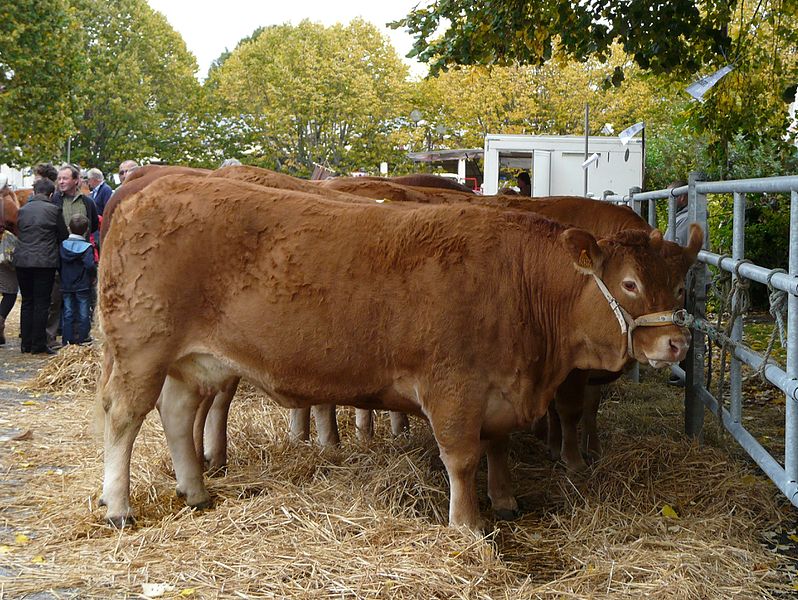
(467, 316)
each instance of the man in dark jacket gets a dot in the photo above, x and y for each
(77, 272)
(41, 228)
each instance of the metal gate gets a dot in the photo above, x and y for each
(784, 292)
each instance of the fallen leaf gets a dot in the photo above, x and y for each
(30, 403)
(793, 537)
(38, 559)
(669, 513)
(6, 549)
(21, 539)
(187, 592)
(25, 435)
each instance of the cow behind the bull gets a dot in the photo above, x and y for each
(468, 316)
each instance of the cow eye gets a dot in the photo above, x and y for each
(629, 285)
(680, 292)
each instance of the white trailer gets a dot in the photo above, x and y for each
(555, 163)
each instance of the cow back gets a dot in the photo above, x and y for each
(137, 181)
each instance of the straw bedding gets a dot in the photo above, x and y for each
(656, 517)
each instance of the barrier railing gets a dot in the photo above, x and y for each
(784, 291)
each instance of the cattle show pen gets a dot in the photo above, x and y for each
(657, 515)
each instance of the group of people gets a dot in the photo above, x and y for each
(54, 263)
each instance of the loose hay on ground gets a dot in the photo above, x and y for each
(366, 521)
(73, 372)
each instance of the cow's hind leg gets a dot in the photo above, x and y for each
(326, 425)
(215, 433)
(126, 401)
(299, 424)
(364, 424)
(200, 421)
(400, 423)
(178, 409)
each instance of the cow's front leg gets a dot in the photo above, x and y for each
(568, 403)
(460, 447)
(500, 487)
(570, 413)
(178, 409)
(591, 445)
(461, 462)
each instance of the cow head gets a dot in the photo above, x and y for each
(642, 278)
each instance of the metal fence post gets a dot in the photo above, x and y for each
(636, 205)
(634, 373)
(735, 367)
(791, 417)
(696, 305)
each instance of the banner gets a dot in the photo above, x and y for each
(628, 133)
(703, 85)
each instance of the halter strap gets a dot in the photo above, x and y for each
(629, 324)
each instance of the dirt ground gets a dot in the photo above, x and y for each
(657, 516)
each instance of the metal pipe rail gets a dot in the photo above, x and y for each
(785, 282)
(755, 450)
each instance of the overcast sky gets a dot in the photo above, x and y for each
(208, 27)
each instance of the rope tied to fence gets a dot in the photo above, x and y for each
(778, 310)
(737, 302)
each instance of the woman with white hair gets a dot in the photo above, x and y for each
(8, 275)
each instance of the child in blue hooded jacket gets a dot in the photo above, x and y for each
(78, 270)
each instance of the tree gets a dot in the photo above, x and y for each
(295, 95)
(473, 101)
(142, 96)
(41, 64)
(660, 36)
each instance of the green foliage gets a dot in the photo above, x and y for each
(142, 100)
(660, 36)
(41, 65)
(295, 95)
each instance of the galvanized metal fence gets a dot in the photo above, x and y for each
(783, 287)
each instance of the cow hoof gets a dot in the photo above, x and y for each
(199, 499)
(201, 504)
(121, 522)
(507, 514)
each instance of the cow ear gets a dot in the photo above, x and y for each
(587, 256)
(695, 242)
(656, 239)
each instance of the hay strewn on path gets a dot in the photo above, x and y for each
(368, 521)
